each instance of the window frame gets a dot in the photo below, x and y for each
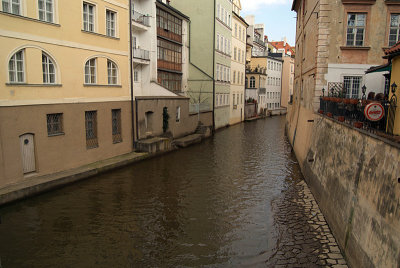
(15, 75)
(10, 7)
(351, 93)
(355, 28)
(45, 11)
(46, 74)
(91, 140)
(252, 83)
(114, 68)
(87, 29)
(116, 129)
(111, 32)
(51, 122)
(397, 28)
(90, 73)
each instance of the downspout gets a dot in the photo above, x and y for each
(131, 73)
(213, 74)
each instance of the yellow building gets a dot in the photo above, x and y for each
(238, 64)
(392, 55)
(65, 85)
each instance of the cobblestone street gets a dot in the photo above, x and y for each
(305, 239)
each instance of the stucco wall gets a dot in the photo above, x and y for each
(58, 153)
(354, 176)
(152, 125)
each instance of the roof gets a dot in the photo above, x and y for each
(282, 45)
(177, 12)
(393, 51)
(293, 5)
(380, 68)
(240, 18)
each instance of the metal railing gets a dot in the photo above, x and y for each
(141, 18)
(141, 54)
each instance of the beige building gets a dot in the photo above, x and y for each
(65, 98)
(238, 64)
(287, 80)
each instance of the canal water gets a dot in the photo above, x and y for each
(209, 205)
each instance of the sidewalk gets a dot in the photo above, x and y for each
(35, 185)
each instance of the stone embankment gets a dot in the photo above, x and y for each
(304, 237)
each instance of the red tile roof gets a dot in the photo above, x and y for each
(393, 49)
(282, 45)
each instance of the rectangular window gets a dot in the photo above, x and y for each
(394, 32)
(12, 6)
(91, 129)
(234, 53)
(116, 125)
(171, 81)
(46, 10)
(352, 84)
(55, 124)
(110, 23)
(234, 77)
(88, 17)
(217, 41)
(135, 76)
(178, 114)
(355, 29)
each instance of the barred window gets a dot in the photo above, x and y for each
(355, 29)
(90, 71)
(171, 81)
(49, 71)
(16, 68)
(55, 124)
(11, 6)
(394, 32)
(116, 125)
(91, 129)
(110, 23)
(45, 10)
(112, 73)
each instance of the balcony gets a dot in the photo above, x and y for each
(141, 19)
(169, 35)
(141, 56)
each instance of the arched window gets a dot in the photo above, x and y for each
(252, 82)
(112, 72)
(49, 70)
(16, 66)
(90, 71)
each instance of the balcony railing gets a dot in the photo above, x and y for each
(141, 18)
(141, 54)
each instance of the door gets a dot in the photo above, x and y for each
(28, 153)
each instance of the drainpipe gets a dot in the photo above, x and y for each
(213, 74)
(131, 73)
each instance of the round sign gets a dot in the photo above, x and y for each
(374, 111)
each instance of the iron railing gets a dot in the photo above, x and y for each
(141, 54)
(141, 18)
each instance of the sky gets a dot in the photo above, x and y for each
(276, 15)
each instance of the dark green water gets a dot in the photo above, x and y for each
(205, 206)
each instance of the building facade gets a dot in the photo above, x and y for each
(287, 80)
(66, 85)
(238, 64)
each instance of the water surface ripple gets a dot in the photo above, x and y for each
(204, 206)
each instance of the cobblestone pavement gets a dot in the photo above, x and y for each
(304, 237)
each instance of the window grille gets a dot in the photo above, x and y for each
(55, 124)
(116, 125)
(88, 17)
(91, 129)
(16, 68)
(355, 29)
(49, 72)
(46, 10)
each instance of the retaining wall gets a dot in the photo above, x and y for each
(354, 175)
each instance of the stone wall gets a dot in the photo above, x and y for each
(354, 175)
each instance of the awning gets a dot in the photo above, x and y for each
(381, 68)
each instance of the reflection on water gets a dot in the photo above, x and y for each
(207, 205)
